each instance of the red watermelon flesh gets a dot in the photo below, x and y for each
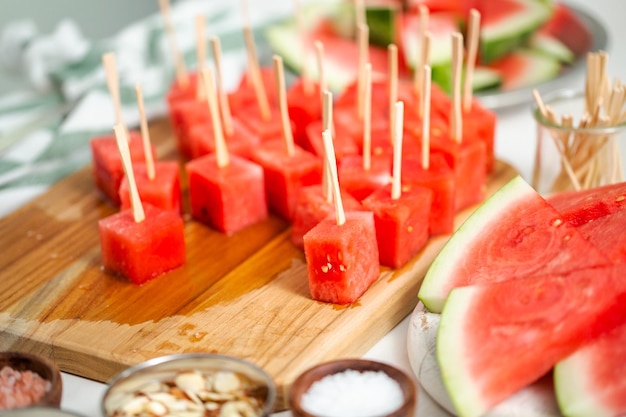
(590, 382)
(497, 241)
(312, 207)
(142, 251)
(496, 338)
(163, 191)
(359, 182)
(107, 164)
(401, 224)
(245, 94)
(241, 142)
(342, 260)
(227, 198)
(438, 177)
(251, 118)
(568, 28)
(286, 174)
(522, 68)
(304, 107)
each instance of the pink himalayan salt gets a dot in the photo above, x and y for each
(353, 394)
(20, 389)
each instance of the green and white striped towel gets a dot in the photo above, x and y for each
(45, 128)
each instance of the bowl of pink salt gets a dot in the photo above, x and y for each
(28, 380)
(353, 388)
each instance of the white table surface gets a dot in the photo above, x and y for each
(515, 143)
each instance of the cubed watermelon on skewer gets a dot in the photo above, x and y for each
(401, 224)
(227, 198)
(240, 142)
(342, 260)
(141, 251)
(359, 182)
(163, 191)
(108, 171)
(344, 144)
(304, 107)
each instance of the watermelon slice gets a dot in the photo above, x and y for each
(551, 46)
(441, 27)
(565, 25)
(496, 338)
(495, 243)
(591, 382)
(507, 24)
(525, 67)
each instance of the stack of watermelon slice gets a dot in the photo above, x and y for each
(528, 285)
(522, 42)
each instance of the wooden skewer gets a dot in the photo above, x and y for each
(307, 85)
(122, 145)
(221, 151)
(227, 118)
(426, 60)
(327, 122)
(255, 73)
(367, 119)
(363, 43)
(330, 160)
(182, 76)
(282, 103)
(359, 10)
(396, 184)
(145, 134)
(456, 130)
(425, 100)
(113, 84)
(472, 51)
(319, 58)
(393, 87)
(424, 17)
(200, 52)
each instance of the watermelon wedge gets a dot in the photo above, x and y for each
(496, 338)
(591, 382)
(441, 27)
(495, 243)
(525, 67)
(507, 24)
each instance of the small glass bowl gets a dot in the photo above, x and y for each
(303, 383)
(164, 370)
(48, 370)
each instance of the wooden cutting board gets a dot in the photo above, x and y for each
(245, 295)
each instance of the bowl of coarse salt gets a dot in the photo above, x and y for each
(353, 388)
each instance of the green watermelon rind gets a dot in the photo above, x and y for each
(433, 291)
(381, 21)
(497, 40)
(542, 69)
(572, 393)
(552, 47)
(484, 78)
(460, 385)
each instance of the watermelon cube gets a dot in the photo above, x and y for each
(312, 207)
(438, 177)
(163, 191)
(342, 260)
(227, 198)
(343, 144)
(241, 142)
(107, 164)
(142, 251)
(266, 130)
(401, 224)
(359, 182)
(185, 115)
(304, 107)
(244, 95)
(285, 175)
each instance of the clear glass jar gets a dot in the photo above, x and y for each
(570, 157)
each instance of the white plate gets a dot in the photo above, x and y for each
(496, 99)
(537, 400)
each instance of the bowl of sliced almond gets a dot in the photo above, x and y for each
(191, 384)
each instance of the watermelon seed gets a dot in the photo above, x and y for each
(557, 222)
(620, 198)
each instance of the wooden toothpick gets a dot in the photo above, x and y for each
(329, 153)
(282, 103)
(470, 64)
(227, 118)
(221, 151)
(255, 73)
(327, 123)
(307, 85)
(122, 146)
(363, 45)
(113, 84)
(182, 76)
(426, 62)
(145, 134)
(392, 87)
(200, 53)
(396, 184)
(425, 100)
(456, 131)
(367, 119)
(319, 58)
(424, 53)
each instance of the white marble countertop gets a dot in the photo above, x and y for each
(515, 144)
